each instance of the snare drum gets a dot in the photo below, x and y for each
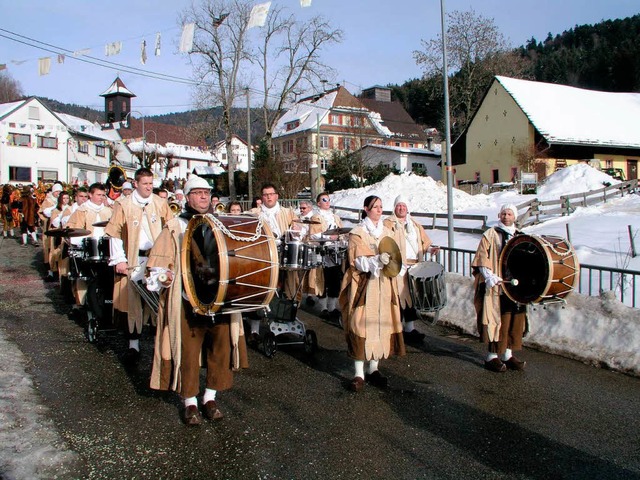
(96, 249)
(427, 287)
(78, 267)
(296, 255)
(335, 252)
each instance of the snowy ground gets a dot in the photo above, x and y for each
(600, 330)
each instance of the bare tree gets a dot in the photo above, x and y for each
(10, 89)
(476, 52)
(218, 55)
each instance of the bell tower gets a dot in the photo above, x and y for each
(117, 101)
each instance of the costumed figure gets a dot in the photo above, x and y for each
(369, 299)
(501, 322)
(8, 224)
(62, 210)
(181, 334)
(46, 207)
(29, 209)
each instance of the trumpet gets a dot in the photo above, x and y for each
(175, 207)
(220, 208)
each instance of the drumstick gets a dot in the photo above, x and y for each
(513, 282)
(162, 278)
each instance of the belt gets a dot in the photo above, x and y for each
(143, 253)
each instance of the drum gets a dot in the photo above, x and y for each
(297, 255)
(229, 264)
(546, 268)
(96, 249)
(78, 266)
(427, 287)
(335, 252)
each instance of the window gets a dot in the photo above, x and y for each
(100, 150)
(411, 145)
(324, 142)
(83, 147)
(514, 174)
(47, 175)
(34, 113)
(20, 174)
(347, 143)
(287, 146)
(292, 125)
(397, 144)
(334, 119)
(495, 175)
(20, 139)
(356, 121)
(324, 163)
(609, 163)
(47, 142)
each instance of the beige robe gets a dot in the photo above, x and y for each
(48, 202)
(370, 306)
(165, 370)
(424, 242)
(126, 224)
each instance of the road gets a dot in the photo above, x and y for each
(292, 416)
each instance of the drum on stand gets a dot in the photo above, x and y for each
(335, 252)
(78, 265)
(96, 249)
(229, 264)
(546, 269)
(428, 289)
(299, 255)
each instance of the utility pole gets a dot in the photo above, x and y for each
(447, 128)
(249, 151)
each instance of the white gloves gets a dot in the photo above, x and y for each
(492, 280)
(385, 258)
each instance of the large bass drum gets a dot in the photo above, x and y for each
(229, 264)
(546, 269)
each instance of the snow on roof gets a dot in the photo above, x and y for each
(82, 126)
(6, 108)
(306, 112)
(416, 151)
(117, 87)
(570, 115)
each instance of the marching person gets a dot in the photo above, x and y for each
(8, 224)
(234, 208)
(279, 220)
(414, 243)
(29, 209)
(82, 195)
(324, 282)
(181, 334)
(369, 300)
(44, 212)
(89, 212)
(179, 194)
(62, 210)
(127, 190)
(136, 223)
(501, 322)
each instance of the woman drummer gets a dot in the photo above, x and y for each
(369, 300)
(501, 322)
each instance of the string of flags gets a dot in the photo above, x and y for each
(257, 18)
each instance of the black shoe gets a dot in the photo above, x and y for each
(254, 340)
(50, 278)
(324, 314)
(191, 415)
(335, 315)
(414, 336)
(309, 302)
(376, 379)
(132, 356)
(495, 365)
(514, 364)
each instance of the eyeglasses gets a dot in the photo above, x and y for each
(325, 200)
(269, 194)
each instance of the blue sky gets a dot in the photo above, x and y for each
(380, 37)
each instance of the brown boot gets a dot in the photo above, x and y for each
(514, 364)
(495, 365)
(191, 416)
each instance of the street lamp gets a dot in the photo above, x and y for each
(126, 119)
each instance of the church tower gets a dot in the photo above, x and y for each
(117, 101)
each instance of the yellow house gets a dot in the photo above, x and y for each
(525, 126)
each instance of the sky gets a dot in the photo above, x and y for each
(597, 330)
(379, 38)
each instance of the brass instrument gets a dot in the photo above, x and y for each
(116, 177)
(175, 207)
(220, 208)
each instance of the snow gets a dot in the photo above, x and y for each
(571, 115)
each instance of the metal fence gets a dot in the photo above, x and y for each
(593, 279)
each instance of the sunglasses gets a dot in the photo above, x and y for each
(324, 200)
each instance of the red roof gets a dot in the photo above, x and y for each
(161, 133)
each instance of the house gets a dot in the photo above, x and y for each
(38, 144)
(337, 121)
(240, 150)
(546, 126)
(405, 159)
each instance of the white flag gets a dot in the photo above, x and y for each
(84, 51)
(157, 49)
(44, 65)
(112, 48)
(305, 3)
(186, 41)
(259, 15)
(143, 52)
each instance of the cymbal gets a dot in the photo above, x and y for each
(389, 245)
(337, 231)
(67, 232)
(101, 224)
(307, 221)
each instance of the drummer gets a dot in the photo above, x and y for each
(501, 322)
(325, 283)
(90, 212)
(414, 244)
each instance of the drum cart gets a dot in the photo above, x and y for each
(284, 328)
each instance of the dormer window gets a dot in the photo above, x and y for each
(292, 125)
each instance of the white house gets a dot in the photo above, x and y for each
(405, 159)
(37, 144)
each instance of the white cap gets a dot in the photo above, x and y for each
(509, 206)
(401, 199)
(179, 191)
(195, 182)
(56, 188)
(127, 186)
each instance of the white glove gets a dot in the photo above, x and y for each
(492, 281)
(385, 258)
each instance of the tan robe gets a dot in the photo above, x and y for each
(370, 306)
(48, 202)
(165, 371)
(399, 235)
(316, 284)
(126, 224)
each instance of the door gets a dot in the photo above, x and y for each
(632, 169)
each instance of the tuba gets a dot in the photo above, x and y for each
(115, 180)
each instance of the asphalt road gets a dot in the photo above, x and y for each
(292, 416)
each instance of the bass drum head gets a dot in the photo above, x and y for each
(524, 259)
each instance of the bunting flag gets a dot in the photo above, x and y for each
(112, 48)
(61, 58)
(18, 62)
(143, 52)
(44, 65)
(84, 51)
(157, 47)
(218, 21)
(305, 3)
(3, 66)
(259, 15)
(186, 40)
